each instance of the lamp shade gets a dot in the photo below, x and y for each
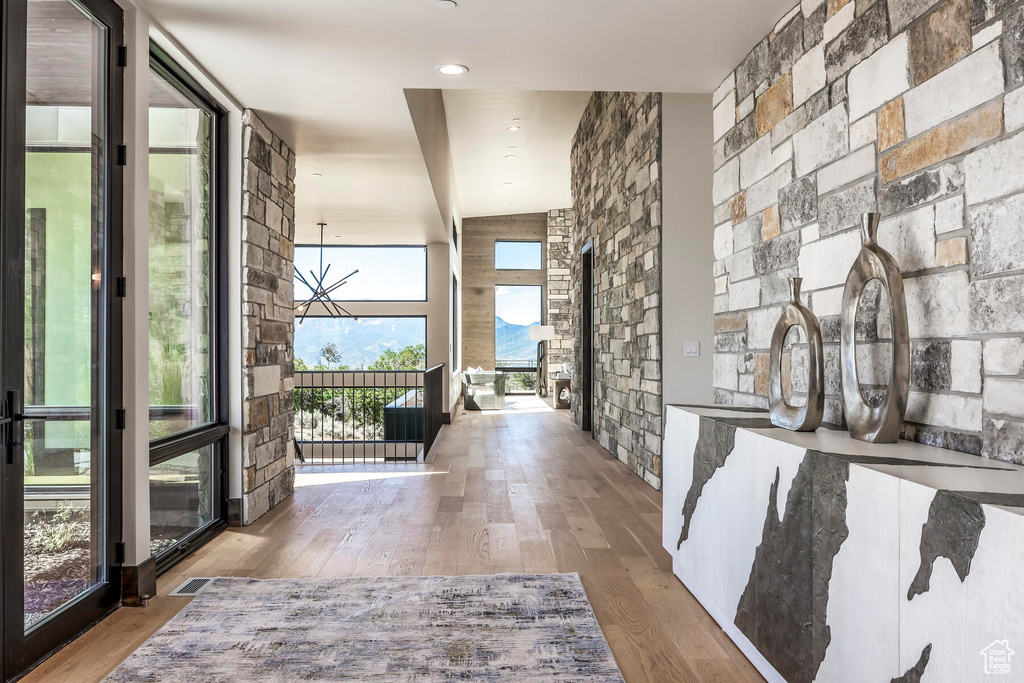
(542, 332)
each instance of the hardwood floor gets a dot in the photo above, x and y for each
(516, 491)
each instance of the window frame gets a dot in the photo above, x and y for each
(494, 328)
(455, 322)
(540, 246)
(426, 271)
(420, 316)
(213, 433)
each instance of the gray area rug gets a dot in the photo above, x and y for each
(451, 628)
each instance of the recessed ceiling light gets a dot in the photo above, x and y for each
(513, 128)
(510, 156)
(452, 69)
(447, 4)
(504, 204)
(507, 184)
(318, 175)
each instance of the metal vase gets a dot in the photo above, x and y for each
(806, 418)
(880, 424)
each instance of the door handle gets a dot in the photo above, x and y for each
(13, 410)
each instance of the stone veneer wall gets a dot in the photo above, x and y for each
(268, 321)
(912, 108)
(560, 223)
(616, 187)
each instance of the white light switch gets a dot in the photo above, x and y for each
(691, 349)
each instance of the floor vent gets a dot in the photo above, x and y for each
(190, 588)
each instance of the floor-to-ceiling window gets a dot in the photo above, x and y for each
(186, 313)
(517, 308)
(360, 352)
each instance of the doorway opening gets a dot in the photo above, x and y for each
(587, 341)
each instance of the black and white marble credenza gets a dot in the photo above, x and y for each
(829, 559)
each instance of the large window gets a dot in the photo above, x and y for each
(517, 308)
(186, 302)
(364, 344)
(180, 259)
(384, 273)
(517, 256)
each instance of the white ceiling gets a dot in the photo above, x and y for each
(328, 76)
(478, 122)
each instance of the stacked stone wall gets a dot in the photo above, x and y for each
(616, 184)
(560, 223)
(268, 321)
(912, 108)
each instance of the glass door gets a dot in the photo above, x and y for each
(61, 320)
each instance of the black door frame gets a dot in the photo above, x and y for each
(587, 338)
(21, 651)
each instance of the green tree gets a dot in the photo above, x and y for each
(409, 358)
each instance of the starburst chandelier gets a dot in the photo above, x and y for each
(322, 292)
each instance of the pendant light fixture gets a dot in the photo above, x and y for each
(321, 292)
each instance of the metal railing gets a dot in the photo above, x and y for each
(357, 416)
(515, 364)
(520, 375)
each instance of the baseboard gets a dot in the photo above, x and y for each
(234, 512)
(138, 581)
(429, 457)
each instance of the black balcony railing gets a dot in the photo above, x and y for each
(520, 374)
(356, 416)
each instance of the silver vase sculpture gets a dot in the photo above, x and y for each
(805, 418)
(881, 423)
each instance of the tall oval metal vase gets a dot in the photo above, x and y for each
(805, 418)
(882, 423)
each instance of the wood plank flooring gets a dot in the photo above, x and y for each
(521, 490)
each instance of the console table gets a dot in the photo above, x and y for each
(829, 559)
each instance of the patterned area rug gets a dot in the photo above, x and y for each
(458, 628)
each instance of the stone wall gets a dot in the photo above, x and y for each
(268, 321)
(616, 187)
(911, 108)
(559, 313)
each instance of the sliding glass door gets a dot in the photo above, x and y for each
(61, 315)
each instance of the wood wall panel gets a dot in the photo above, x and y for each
(479, 277)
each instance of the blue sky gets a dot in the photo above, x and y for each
(385, 274)
(517, 255)
(519, 305)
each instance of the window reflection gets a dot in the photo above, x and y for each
(180, 200)
(65, 314)
(180, 498)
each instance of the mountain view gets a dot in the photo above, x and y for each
(512, 342)
(359, 343)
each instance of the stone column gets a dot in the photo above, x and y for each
(268, 320)
(560, 223)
